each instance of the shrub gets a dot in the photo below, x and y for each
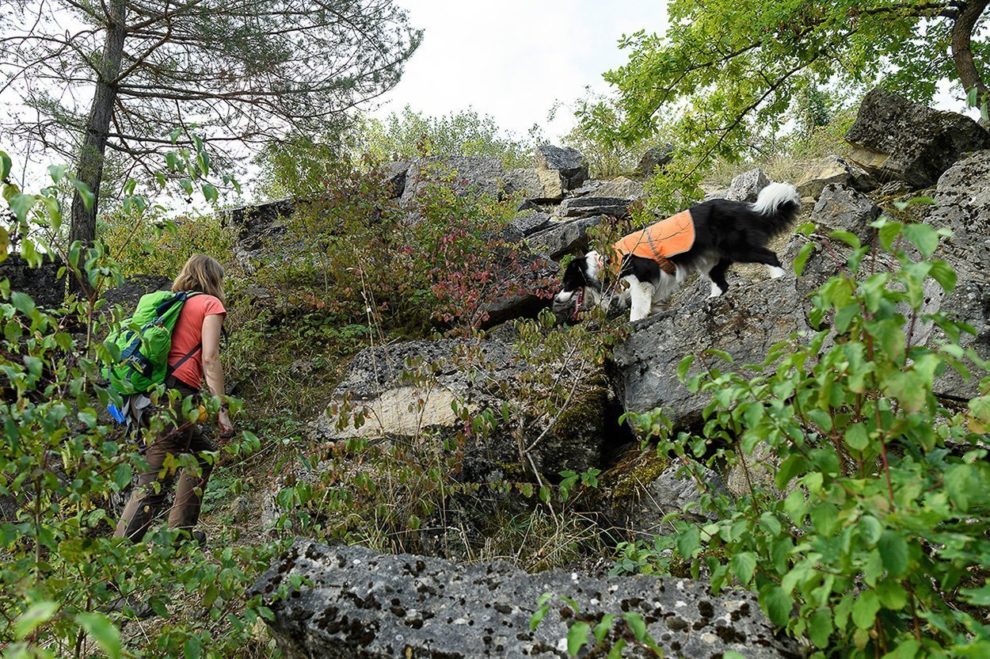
(67, 586)
(353, 253)
(873, 536)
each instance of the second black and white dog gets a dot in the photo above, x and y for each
(724, 232)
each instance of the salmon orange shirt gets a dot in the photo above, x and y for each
(188, 333)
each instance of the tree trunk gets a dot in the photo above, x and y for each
(962, 51)
(91, 156)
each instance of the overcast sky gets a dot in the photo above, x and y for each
(513, 59)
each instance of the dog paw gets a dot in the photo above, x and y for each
(775, 272)
(716, 291)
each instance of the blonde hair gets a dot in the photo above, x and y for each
(201, 273)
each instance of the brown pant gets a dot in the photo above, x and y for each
(145, 504)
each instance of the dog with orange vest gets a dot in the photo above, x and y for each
(707, 238)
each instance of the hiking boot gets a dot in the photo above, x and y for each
(184, 536)
(131, 607)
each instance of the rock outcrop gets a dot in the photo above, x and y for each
(357, 603)
(833, 170)
(744, 322)
(560, 170)
(463, 174)
(564, 237)
(254, 225)
(411, 390)
(962, 204)
(657, 156)
(747, 186)
(895, 139)
(643, 487)
(42, 283)
(588, 206)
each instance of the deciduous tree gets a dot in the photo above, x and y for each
(725, 68)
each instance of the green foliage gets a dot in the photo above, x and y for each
(354, 254)
(66, 585)
(410, 134)
(606, 157)
(300, 166)
(728, 70)
(872, 537)
(151, 243)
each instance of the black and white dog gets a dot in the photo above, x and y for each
(724, 232)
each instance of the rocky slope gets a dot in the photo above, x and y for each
(361, 604)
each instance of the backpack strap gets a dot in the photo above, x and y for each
(183, 296)
(172, 369)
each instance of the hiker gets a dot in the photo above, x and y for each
(193, 357)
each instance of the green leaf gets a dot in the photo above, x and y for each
(85, 193)
(977, 596)
(689, 541)
(870, 530)
(684, 366)
(857, 437)
(636, 625)
(604, 626)
(923, 236)
(20, 205)
(186, 185)
(22, 302)
(37, 614)
(743, 565)
(864, 611)
(820, 627)
(848, 238)
(777, 603)
(792, 465)
(537, 617)
(894, 552)
(5, 165)
(892, 595)
(888, 233)
(907, 649)
(103, 632)
(577, 637)
(801, 260)
(943, 273)
(210, 192)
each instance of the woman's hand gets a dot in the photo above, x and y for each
(226, 426)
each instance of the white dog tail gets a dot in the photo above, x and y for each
(776, 195)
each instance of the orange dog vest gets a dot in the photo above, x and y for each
(659, 241)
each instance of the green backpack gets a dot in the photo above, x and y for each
(140, 347)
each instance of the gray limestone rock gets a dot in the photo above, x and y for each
(464, 174)
(744, 322)
(747, 186)
(256, 224)
(356, 603)
(411, 390)
(565, 237)
(529, 222)
(523, 181)
(843, 209)
(524, 294)
(395, 177)
(43, 284)
(895, 139)
(560, 169)
(597, 205)
(643, 487)
(657, 156)
(962, 204)
(833, 170)
(622, 187)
